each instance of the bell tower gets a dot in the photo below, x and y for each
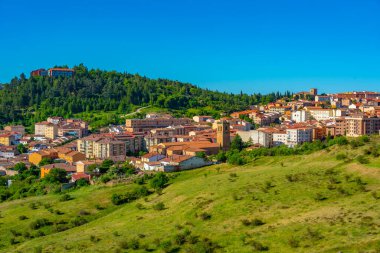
(223, 134)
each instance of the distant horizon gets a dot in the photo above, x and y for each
(252, 46)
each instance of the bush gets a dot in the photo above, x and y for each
(205, 216)
(39, 223)
(341, 156)
(259, 246)
(118, 199)
(159, 180)
(65, 197)
(159, 206)
(78, 221)
(362, 160)
(320, 197)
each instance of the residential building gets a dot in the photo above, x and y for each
(70, 169)
(320, 98)
(7, 139)
(144, 125)
(298, 135)
(51, 131)
(57, 72)
(300, 116)
(358, 125)
(39, 72)
(36, 157)
(109, 148)
(18, 128)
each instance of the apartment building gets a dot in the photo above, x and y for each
(324, 114)
(18, 128)
(143, 125)
(279, 138)
(51, 131)
(86, 145)
(109, 148)
(261, 136)
(362, 125)
(300, 116)
(298, 135)
(59, 127)
(264, 119)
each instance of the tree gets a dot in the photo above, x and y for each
(56, 175)
(159, 181)
(237, 143)
(21, 148)
(20, 167)
(46, 161)
(221, 156)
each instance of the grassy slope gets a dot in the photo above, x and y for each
(348, 220)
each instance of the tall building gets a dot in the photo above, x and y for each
(223, 134)
(362, 125)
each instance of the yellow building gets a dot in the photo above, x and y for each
(36, 158)
(6, 139)
(51, 131)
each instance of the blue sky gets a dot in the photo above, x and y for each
(254, 46)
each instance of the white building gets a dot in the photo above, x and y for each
(325, 114)
(300, 116)
(261, 136)
(296, 136)
(280, 138)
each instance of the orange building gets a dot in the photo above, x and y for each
(47, 168)
(36, 158)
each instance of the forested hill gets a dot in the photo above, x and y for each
(27, 100)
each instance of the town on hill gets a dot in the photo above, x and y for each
(140, 155)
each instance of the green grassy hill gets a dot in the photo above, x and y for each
(309, 203)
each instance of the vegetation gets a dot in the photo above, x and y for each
(102, 96)
(307, 202)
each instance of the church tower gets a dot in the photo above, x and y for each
(223, 134)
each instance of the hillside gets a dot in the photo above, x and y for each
(28, 100)
(300, 203)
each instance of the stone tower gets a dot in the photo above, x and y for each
(223, 134)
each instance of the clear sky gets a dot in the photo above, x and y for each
(254, 46)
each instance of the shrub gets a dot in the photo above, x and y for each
(320, 197)
(205, 216)
(83, 212)
(99, 207)
(159, 180)
(134, 244)
(65, 197)
(159, 206)
(140, 206)
(78, 221)
(33, 206)
(362, 160)
(341, 156)
(94, 238)
(294, 242)
(118, 199)
(22, 217)
(39, 223)
(38, 249)
(259, 246)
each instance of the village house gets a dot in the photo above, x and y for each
(70, 169)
